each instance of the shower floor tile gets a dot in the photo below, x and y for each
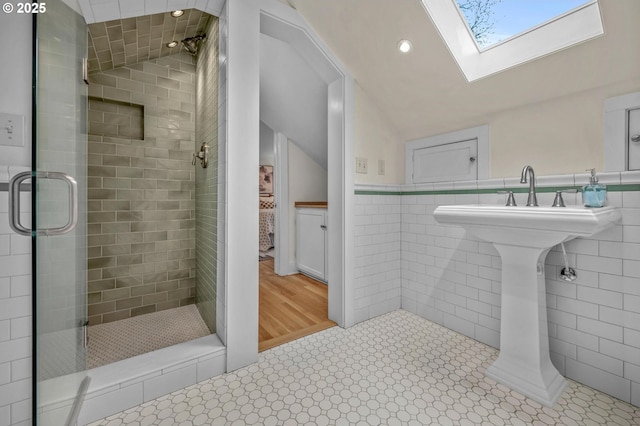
(396, 369)
(118, 340)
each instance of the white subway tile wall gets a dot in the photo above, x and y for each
(15, 315)
(377, 257)
(453, 279)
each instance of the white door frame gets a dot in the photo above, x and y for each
(285, 24)
(282, 265)
(616, 116)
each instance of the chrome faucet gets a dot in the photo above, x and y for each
(532, 200)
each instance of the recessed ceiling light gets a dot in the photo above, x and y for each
(177, 13)
(404, 46)
(172, 44)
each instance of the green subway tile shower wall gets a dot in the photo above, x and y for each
(141, 188)
(207, 178)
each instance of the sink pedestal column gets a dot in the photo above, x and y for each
(523, 237)
(523, 363)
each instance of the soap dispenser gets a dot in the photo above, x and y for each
(594, 194)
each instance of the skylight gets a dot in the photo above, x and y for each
(581, 23)
(493, 21)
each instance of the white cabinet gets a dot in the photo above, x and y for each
(311, 242)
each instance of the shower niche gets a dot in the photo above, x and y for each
(110, 118)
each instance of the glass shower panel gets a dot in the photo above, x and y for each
(60, 262)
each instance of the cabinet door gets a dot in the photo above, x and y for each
(310, 242)
(452, 161)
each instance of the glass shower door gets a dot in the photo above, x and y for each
(60, 257)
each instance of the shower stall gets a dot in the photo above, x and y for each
(143, 206)
(138, 272)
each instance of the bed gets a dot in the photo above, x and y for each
(267, 223)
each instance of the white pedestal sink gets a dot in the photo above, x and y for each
(523, 236)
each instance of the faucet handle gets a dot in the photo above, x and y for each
(511, 201)
(559, 201)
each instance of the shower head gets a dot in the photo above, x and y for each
(192, 44)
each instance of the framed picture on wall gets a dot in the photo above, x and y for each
(266, 180)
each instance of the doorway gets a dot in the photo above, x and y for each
(291, 305)
(294, 135)
(281, 23)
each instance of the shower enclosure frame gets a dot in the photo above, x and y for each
(59, 304)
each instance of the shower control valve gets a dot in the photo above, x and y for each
(203, 155)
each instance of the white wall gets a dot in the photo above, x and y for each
(15, 81)
(557, 136)
(241, 23)
(562, 135)
(15, 279)
(293, 97)
(376, 139)
(267, 153)
(307, 182)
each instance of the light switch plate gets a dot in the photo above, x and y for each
(11, 129)
(362, 165)
(381, 167)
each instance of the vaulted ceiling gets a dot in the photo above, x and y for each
(421, 93)
(424, 93)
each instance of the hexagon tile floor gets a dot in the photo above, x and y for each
(129, 337)
(395, 369)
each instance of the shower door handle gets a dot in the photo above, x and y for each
(14, 203)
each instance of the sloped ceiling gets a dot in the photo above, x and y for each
(424, 93)
(128, 41)
(293, 98)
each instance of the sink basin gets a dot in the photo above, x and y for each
(523, 236)
(528, 226)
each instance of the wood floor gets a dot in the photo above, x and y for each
(291, 307)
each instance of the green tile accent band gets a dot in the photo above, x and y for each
(516, 190)
(360, 192)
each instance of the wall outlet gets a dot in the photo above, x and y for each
(381, 167)
(362, 165)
